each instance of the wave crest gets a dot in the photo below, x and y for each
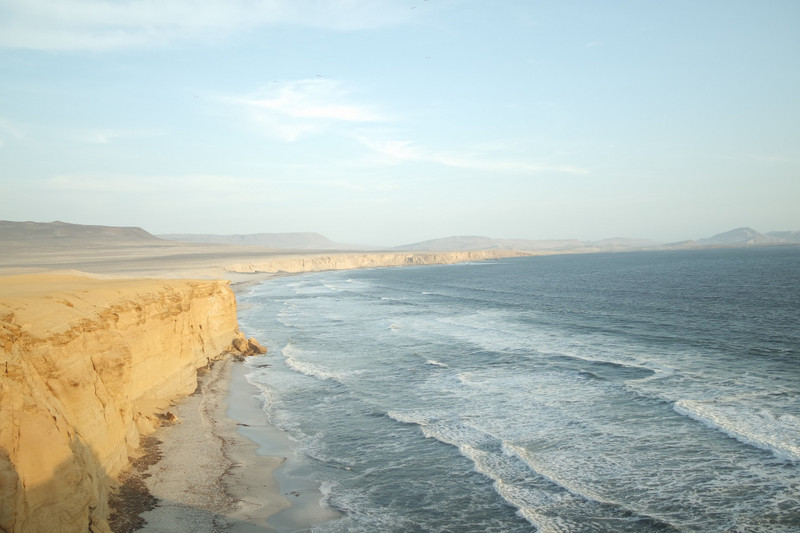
(761, 429)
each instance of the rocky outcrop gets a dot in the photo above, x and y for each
(248, 347)
(85, 366)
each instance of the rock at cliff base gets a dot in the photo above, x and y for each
(248, 347)
(240, 344)
(255, 347)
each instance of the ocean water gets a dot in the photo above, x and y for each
(652, 391)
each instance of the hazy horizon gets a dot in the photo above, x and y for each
(392, 122)
(317, 239)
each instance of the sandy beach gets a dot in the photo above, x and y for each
(209, 477)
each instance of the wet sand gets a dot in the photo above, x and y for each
(213, 478)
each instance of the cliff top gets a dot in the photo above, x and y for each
(48, 303)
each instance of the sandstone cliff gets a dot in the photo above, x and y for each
(344, 261)
(84, 365)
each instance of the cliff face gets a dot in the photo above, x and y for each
(84, 365)
(344, 261)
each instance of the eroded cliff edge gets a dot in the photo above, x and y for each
(84, 366)
(295, 263)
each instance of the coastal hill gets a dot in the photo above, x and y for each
(560, 245)
(742, 237)
(38, 239)
(789, 236)
(315, 242)
(51, 233)
(736, 237)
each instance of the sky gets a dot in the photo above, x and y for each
(390, 122)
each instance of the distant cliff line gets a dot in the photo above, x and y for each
(309, 262)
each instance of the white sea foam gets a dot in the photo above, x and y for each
(293, 360)
(419, 418)
(496, 467)
(436, 363)
(308, 369)
(455, 434)
(759, 428)
(526, 499)
(326, 488)
(544, 470)
(466, 378)
(436, 426)
(497, 330)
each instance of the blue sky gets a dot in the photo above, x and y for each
(394, 121)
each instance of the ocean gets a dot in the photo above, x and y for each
(641, 392)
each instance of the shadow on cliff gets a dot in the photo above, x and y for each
(80, 496)
(73, 498)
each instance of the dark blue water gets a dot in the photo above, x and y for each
(651, 391)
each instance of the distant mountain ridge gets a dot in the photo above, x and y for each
(528, 245)
(65, 232)
(789, 236)
(285, 241)
(737, 237)
(743, 237)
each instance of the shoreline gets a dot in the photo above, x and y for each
(218, 463)
(209, 477)
(246, 410)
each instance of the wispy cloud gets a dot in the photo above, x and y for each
(116, 24)
(400, 151)
(770, 158)
(9, 130)
(291, 110)
(107, 135)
